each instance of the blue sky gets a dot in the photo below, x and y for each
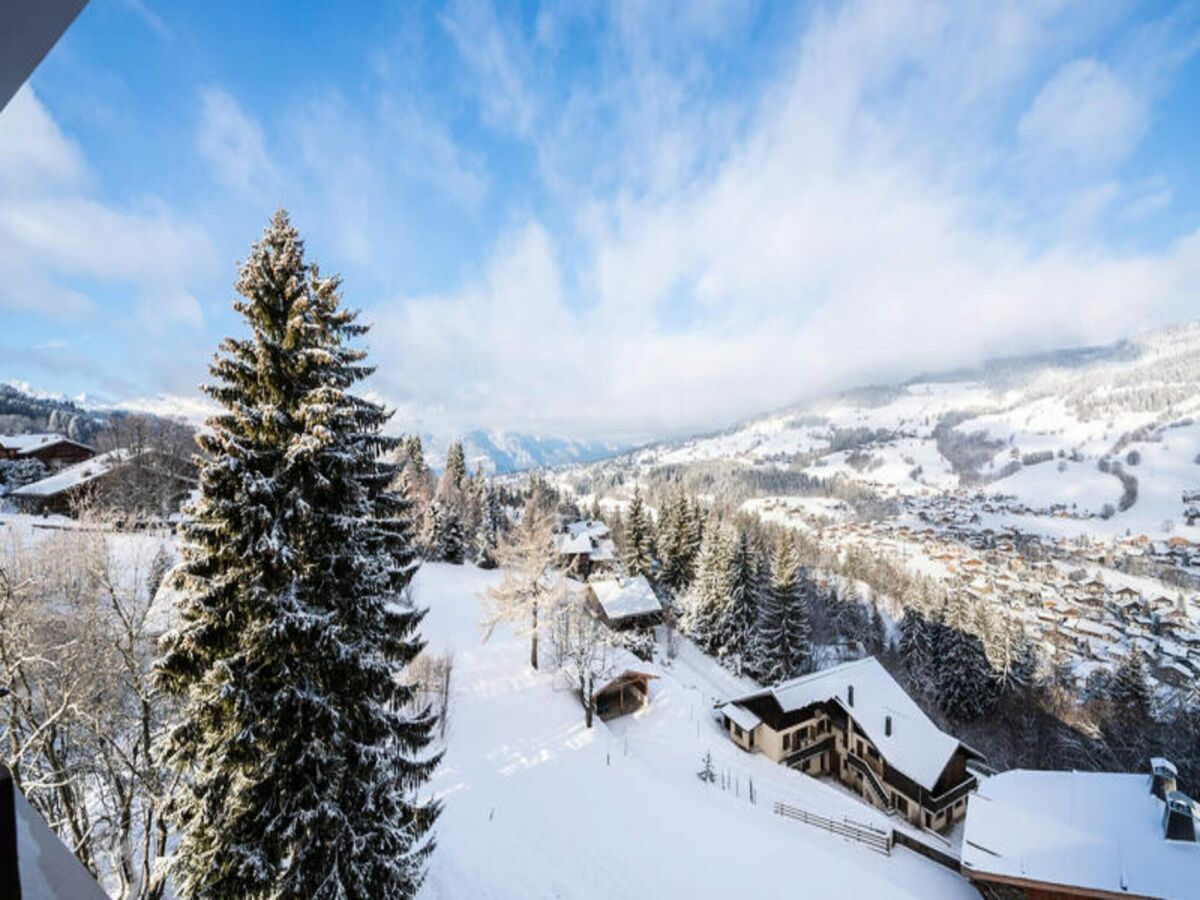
(604, 220)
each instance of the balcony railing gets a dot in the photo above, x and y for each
(798, 757)
(946, 798)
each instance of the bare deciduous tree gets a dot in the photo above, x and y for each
(79, 725)
(584, 650)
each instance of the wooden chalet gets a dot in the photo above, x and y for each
(62, 492)
(54, 451)
(853, 722)
(585, 547)
(624, 604)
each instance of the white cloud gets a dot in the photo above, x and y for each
(54, 230)
(494, 54)
(842, 237)
(1086, 114)
(233, 145)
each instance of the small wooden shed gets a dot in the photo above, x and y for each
(626, 693)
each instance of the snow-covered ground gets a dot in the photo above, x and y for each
(536, 805)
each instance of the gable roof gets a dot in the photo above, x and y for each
(622, 599)
(1100, 831)
(74, 476)
(24, 444)
(916, 747)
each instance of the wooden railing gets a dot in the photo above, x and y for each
(940, 802)
(874, 838)
(872, 779)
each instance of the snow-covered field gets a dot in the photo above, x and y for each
(539, 806)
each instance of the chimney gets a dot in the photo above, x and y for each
(850, 695)
(1164, 777)
(887, 726)
(1179, 821)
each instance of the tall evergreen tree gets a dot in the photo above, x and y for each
(639, 537)
(446, 540)
(1130, 691)
(963, 676)
(298, 759)
(491, 527)
(783, 645)
(675, 543)
(709, 594)
(736, 625)
(454, 476)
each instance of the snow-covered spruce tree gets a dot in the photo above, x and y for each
(454, 476)
(783, 636)
(299, 766)
(639, 537)
(676, 548)
(1130, 691)
(735, 628)
(963, 677)
(491, 525)
(445, 541)
(709, 593)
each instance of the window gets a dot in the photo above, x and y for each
(872, 752)
(737, 729)
(928, 820)
(902, 805)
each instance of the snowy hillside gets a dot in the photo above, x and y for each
(539, 806)
(1111, 435)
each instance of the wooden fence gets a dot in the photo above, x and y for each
(878, 840)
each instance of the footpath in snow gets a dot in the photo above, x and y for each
(536, 805)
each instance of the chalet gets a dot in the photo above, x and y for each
(54, 451)
(1082, 834)
(624, 603)
(585, 547)
(62, 491)
(853, 722)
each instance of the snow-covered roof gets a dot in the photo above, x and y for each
(916, 747)
(1100, 831)
(740, 716)
(74, 476)
(622, 599)
(590, 527)
(571, 544)
(27, 443)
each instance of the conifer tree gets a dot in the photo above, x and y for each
(963, 675)
(299, 762)
(674, 542)
(783, 646)
(1130, 692)
(709, 593)
(454, 476)
(736, 625)
(639, 538)
(491, 526)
